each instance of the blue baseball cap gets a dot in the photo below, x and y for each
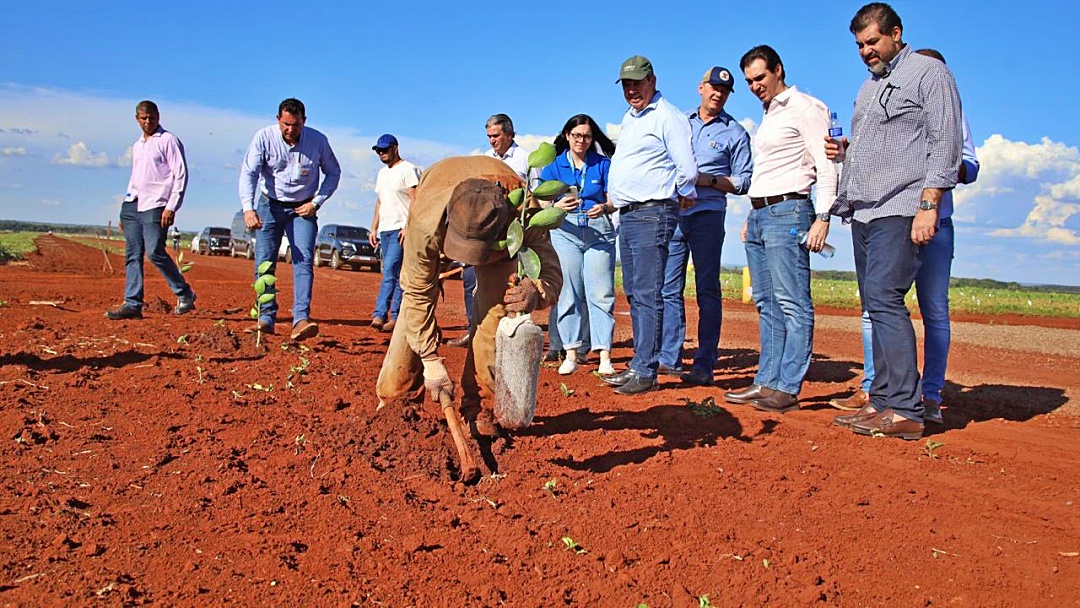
(718, 76)
(385, 141)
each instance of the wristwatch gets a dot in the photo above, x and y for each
(927, 206)
(824, 217)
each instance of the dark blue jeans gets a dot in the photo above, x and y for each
(699, 236)
(643, 246)
(886, 262)
(143, 234)
(468, 283)
(388, 302)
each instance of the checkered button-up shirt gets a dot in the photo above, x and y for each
(906, 136)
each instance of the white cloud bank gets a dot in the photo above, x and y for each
(13, 151)
(80, 155)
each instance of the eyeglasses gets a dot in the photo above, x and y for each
(581, 136)
(382, 150)
(886, 94)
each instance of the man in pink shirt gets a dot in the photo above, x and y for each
(154, 194)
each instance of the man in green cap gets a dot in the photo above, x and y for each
(652, 175)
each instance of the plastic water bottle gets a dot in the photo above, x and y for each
(827, 250)
(836, 131)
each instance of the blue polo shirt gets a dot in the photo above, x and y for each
(592, 180)
(721, 147)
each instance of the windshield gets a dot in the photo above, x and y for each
(220, 232)
(352, 233)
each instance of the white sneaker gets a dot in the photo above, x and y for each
(606, 369)
(568, 367)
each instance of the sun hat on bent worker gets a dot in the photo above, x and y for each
(635, 68)
(476, 218)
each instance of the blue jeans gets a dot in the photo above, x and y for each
(780, 274)
(143, 234)
(932, 290)
(468, 284)
(389, 298)
(586, 306)
(699, 236)
(886, 262)
(277, 220)
(644, 235)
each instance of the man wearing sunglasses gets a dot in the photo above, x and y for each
(395, 188)
(905, 154)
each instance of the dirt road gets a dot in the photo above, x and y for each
(169, 461)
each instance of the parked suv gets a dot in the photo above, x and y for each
(212, 240)
(241, 240)
(338, 245)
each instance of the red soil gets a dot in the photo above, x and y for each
(143, 463)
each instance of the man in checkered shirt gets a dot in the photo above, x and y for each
(904, 154)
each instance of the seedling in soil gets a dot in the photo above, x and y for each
(703, 602)
(180, 262)
(707, 408)
(550, 487)
(566, 391)
(573, 546)
(930, 446)
(182, 339)
(259, 387)
(263, 279)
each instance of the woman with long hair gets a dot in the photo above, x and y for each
(585, 241)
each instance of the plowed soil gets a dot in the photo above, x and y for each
(169, 460)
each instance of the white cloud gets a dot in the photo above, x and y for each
(613, 130)
(125, 159)
(750, 125)
(532, 142)
(80, 155)
(1029, 190)
(50, 202)
(14, 151)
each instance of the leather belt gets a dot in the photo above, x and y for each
(761, 203)
(635, 206)
(287, 204)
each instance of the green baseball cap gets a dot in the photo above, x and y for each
(635, 68)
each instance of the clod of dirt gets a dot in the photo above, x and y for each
(35, 323)
(219, 339)
(158, 305)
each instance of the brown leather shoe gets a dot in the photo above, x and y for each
(462, 342)
(389, 326)
(778, 402)
(377, 323)
(304, 329)
(855, 402)
(866, 412)
(748, 394)
(883, 425)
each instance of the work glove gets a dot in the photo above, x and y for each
(523, 297)
(436, 379)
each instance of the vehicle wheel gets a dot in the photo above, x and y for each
(377, 268)
(315, 262)
(250, 253)
(335, 260)
(232, 250)
(288, 255)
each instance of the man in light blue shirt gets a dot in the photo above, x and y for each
(289, 158)
(722, 149)
(652, 173)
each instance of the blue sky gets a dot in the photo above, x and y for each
(432, 72)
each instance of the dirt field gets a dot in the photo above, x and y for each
(169, 461)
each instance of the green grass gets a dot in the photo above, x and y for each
(116, 245)
(834, 293)
(13, 245)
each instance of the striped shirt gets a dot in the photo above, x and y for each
(906, 136)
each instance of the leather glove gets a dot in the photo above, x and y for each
(523, 297)
(437, 380)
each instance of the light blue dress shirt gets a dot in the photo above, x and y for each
(971, 164)
(721, 147)
(290, 173)
(653, 160)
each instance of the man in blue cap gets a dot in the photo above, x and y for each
(395, 188)
(722, 150)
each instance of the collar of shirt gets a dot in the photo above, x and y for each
(781, 99)
(510, 152)
(157, 133)
(651, 106)
(723, 117)
(904, 52)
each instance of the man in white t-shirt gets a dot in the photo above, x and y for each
(395, 187)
